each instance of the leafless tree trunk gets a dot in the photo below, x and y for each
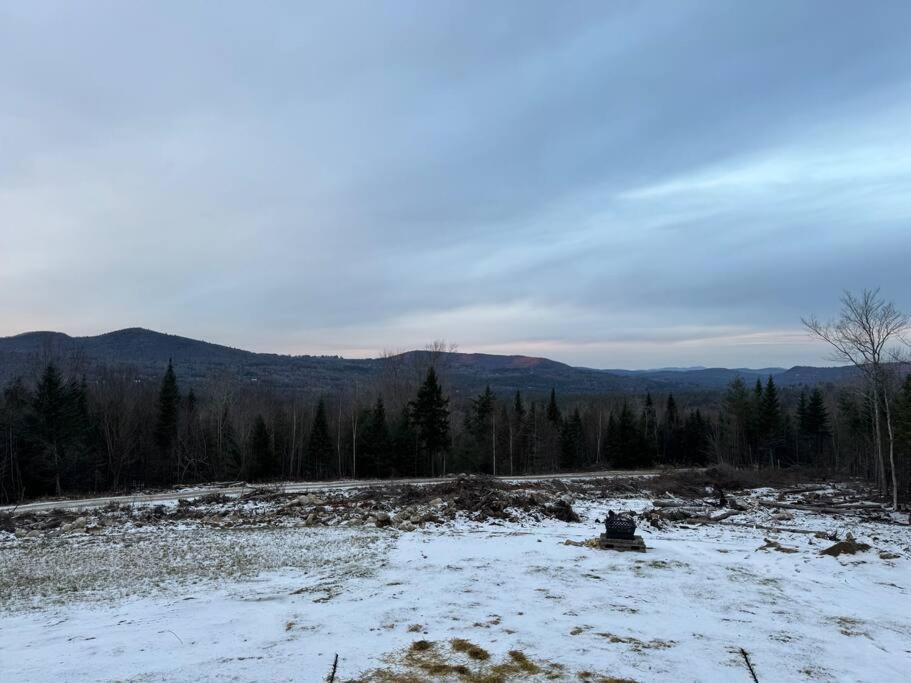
(866, 329)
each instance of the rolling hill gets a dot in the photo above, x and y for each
(146, 354)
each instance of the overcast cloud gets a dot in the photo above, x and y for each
(612, 184)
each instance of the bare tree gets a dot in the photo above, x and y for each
(864, 335)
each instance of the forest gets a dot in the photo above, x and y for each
(63, 435)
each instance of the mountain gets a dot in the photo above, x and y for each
(145, 353)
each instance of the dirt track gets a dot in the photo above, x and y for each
(287, 487)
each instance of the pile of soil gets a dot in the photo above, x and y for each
(404, 507)
(846, 547)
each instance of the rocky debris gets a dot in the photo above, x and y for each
(6, 523)
(562, 509)
(402, 507)
(306, 499)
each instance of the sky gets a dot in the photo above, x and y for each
(609, 184)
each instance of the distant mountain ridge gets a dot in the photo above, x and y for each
(147, 352)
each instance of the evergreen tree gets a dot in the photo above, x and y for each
(694, 439)
(262, 456)
(650, 423)
(669, 431)
(405, 445)
(520, 438)
(626, 443)
(572, 442)
(770, 420)
(480, 432)
(375, 440)
(816, 420)
(166, 424)
(518, 407)
(56, 425)
(802, 412)
(430, 415)
(671, 415)
(320, 449)
(771, 409)
(553, 411)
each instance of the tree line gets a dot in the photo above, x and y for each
(63, 435)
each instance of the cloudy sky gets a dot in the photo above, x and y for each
(612, 184)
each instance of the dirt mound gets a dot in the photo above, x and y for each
(846, 547)
(694, 483)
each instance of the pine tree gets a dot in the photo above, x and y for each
(626, 443)
(166, 424)
(816, 422)
(479, 429)
(56, 425)
(572, 443)
(553, 411)
(770, 419)
(262, 456)
(669, 430)
(405, 445)
(802, 412)
(320, 449)
(771, 409)
(430, 415)
(375, 440)
(518, 448)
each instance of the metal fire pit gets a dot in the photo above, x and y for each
(619, 526)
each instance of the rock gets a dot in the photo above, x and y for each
(405, 526)
(437, 503)
(416, 519)
(79, 523)
(311, 519)
(34, 533)
(21, 533)
(382, 519)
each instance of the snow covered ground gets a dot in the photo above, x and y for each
(192, 602)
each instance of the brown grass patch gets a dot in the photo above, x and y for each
(465, 662)
(477, 653)
(421, 646)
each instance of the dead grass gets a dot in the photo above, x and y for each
(470, 649)
(638, 645)
(464, 662)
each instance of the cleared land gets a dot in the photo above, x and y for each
(468, 580)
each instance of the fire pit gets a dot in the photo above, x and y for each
(620, 533)
(619, 526)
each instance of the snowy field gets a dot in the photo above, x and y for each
(461, 600)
